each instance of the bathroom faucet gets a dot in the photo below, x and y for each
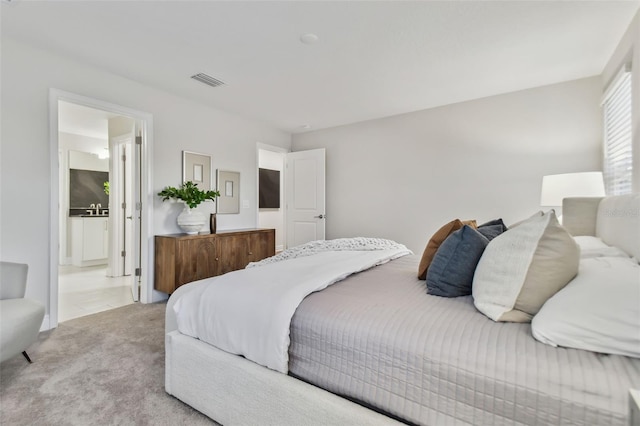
(92, 207)
(98, 207)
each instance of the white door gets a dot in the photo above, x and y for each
(136, 213)
(124, 214)
(305, 196)
(127, 229)
(121, 205)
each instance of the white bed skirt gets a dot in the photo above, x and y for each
(234, 391)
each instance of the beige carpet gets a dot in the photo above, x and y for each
(102, 369)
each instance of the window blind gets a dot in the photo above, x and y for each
(617, 135)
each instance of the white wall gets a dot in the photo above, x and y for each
(273, 218)
(28, 73)
(119, 126)
(86, 161)
(403, 177)
(628, 51)
(73, 142)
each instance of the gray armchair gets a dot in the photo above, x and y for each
(20, 318)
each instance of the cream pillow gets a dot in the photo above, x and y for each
(523, 267)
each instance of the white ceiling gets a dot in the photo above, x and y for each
(373, 59)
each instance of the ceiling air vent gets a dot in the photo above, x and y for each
(207, 79)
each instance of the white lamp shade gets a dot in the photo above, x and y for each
(557, 187)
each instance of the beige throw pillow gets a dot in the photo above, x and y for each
(523, 267)
(436, 240)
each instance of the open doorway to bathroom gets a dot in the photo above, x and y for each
(271, 159)
(96, 199)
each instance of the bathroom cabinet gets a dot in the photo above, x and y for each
(89, 240)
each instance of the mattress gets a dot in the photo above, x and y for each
(379, 339)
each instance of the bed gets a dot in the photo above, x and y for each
(374, 348)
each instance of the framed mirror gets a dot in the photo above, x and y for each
(229, 187)
(196, 167)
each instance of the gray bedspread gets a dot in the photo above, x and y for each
(377, 337)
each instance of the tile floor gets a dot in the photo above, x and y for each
(85, 291)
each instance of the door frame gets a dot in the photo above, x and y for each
(146, 248)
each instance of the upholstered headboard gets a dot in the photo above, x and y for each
(615, 219)
(579, 215)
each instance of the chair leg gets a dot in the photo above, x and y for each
(27, 357)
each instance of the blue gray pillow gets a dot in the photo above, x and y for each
(451, 271)
(492, 228)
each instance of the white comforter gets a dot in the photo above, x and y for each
(248, 312)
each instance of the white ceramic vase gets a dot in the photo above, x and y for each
(191, 220)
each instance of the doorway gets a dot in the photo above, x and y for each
(98, 260)
(272, 158)
(95, 179)
(299, 216)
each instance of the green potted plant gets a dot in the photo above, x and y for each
(190, 220)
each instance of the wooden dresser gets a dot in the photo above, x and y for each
(182, 258)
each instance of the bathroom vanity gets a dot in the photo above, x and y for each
(89, 240)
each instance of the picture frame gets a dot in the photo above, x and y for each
(228, 183)
(196, 167)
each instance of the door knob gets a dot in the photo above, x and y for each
(320, 217)
(129, 217)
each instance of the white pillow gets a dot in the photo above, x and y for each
(595, 247)
(523, 267)
(598, 311)
(588, 242)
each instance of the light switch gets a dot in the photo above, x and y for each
(245, 204)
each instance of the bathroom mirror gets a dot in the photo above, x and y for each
(196, 168)
(229, 188)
